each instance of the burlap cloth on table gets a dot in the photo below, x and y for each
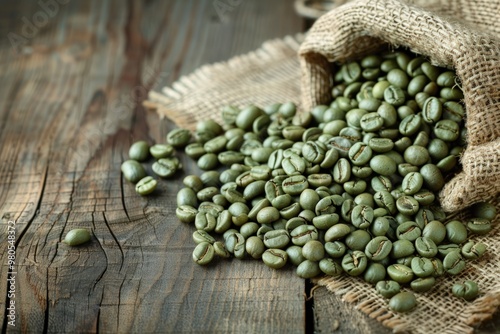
(459, 34)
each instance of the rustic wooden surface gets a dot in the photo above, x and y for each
(73, 76)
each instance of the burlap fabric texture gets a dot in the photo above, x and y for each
(273, 74)
(460, 34)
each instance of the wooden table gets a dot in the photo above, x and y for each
(74, 74)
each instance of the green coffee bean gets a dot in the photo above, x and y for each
(388, 289)
(166, 167)
(355, 263)
(453, 263)
(255, 247)
(139, 151)
(146, 186)
(456, 232)
(275, 258)
(378, 248)
(383, 165)
(77, 237)
(400, 273)
(375, 272)
(194, 150)
(133, 171)
(469, 290)
(186, 196)
(308, 269)
(276, 239)
(479, 226)
(403, 302)
(423, 284)
(330, 267)
(178, 137)
(435, 231)
(200, 236)
(203, 253)
(161, 151)
(186, 213)
(484, 210)
(472, 251)
(220, 250)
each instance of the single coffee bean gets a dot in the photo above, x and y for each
(394, 95)
(456, 232)
(472, 250)
(187, 196)
(308, 269)
(200, 236)
(203, 253)
(335, 249)
(357, 240)
(383, 165)
(330, 267)
(400, 273)
(255, 247)
(77, 237)
(479, 226)
(166, 167)
(484, 210)
(313, 250)
(469, 290)
(422, 267)
(362, 216)
(409, 231)
(161, 151)
(402, 248)
(139, 151)
(379, 248)
(268, 215)
(453, 263)
(355, 263)
(426, 247)
(194, 150)
(435, 231)
(410, 125)
(388, 288)
(186, 213)
(294, 185)
(275, 258)
(179, 137)
(407, 205)
(412, 183)
(146, 186)
(220, 250)
(423, 284)
(447, 130)
(403, 302)
(205, 221)
(360, 154)
(375, 272)
(133, 171)
(276, 239)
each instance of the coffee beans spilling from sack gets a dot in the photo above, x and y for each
(348, 188)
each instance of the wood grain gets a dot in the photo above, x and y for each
(69, 113)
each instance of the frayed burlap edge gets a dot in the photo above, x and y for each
(265, 76)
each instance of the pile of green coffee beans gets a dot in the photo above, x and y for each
(347, 188)
(165, 166)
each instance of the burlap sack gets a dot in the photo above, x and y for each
(273, 74)
(460, 34)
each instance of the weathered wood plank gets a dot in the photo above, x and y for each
(68, 116)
